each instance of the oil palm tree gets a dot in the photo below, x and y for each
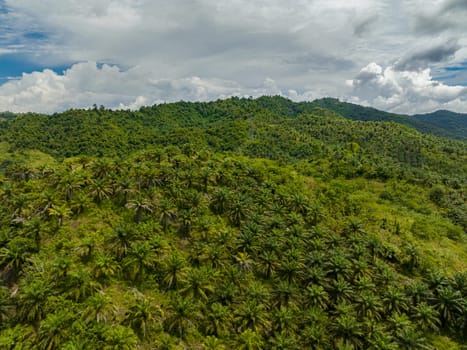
(69, 182)
(141, 258)
(460, 282)
(267, 264)
(106, 267)
(418, 291)
(54, 330)
(284, 293)
(348, 331)
(120, 239)
(168, 213)
(213, 343)
(341, 290)
(182, 316)
(140, 205)
(14, 255)
(316, 296)
(238, 210)
(143, 316)
(174, 270)
(6, 305)
(198, 283)
(449, 303)
(80, 284)
(317, 336)
(394, 300)
(283, 341)
(99, 308)
(61, 212)
(290, 269)
(410, 339)
(249, 340)
(118, 337)
(283, 321)
(186, 220)
(218, 321)
(31, 300)
(370, 305)
(426, 317)
(252, 315)
(99, 189)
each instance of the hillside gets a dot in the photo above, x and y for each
(235, 224)
(450, 121)
(440, 123)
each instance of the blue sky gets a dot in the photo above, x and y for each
(406, 56)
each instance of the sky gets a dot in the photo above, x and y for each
(404, 56)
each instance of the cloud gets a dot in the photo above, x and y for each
(87, 83)
(441, 16)
(419, 60)
(308, 48)
(6, 51)
(454, 5)
(365, 25)
(404, 91)
(222, 38)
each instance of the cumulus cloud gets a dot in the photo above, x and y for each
(85, 84)
(405, 91)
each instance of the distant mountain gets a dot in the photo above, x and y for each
(440, 123)
(6, 116)
(454, 123)
(182, 114)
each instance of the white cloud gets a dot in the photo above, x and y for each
(7, 51)
(405, 91)
(85, 84)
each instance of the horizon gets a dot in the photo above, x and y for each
(96, 106)
(405, 57)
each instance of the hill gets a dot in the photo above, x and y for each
(440, 123)
(455, 123)
(235, 224)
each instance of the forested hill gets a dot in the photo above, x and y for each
(440, 123)
(454, 123)
(236, 224)
(268, 127)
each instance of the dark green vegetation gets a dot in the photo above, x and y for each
(440, 123)
(236, 224)
(455, 123)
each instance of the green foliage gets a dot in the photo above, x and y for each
(250, 224)
(440, 123)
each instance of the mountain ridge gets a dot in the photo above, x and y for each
(453, 125)
(443, 123)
